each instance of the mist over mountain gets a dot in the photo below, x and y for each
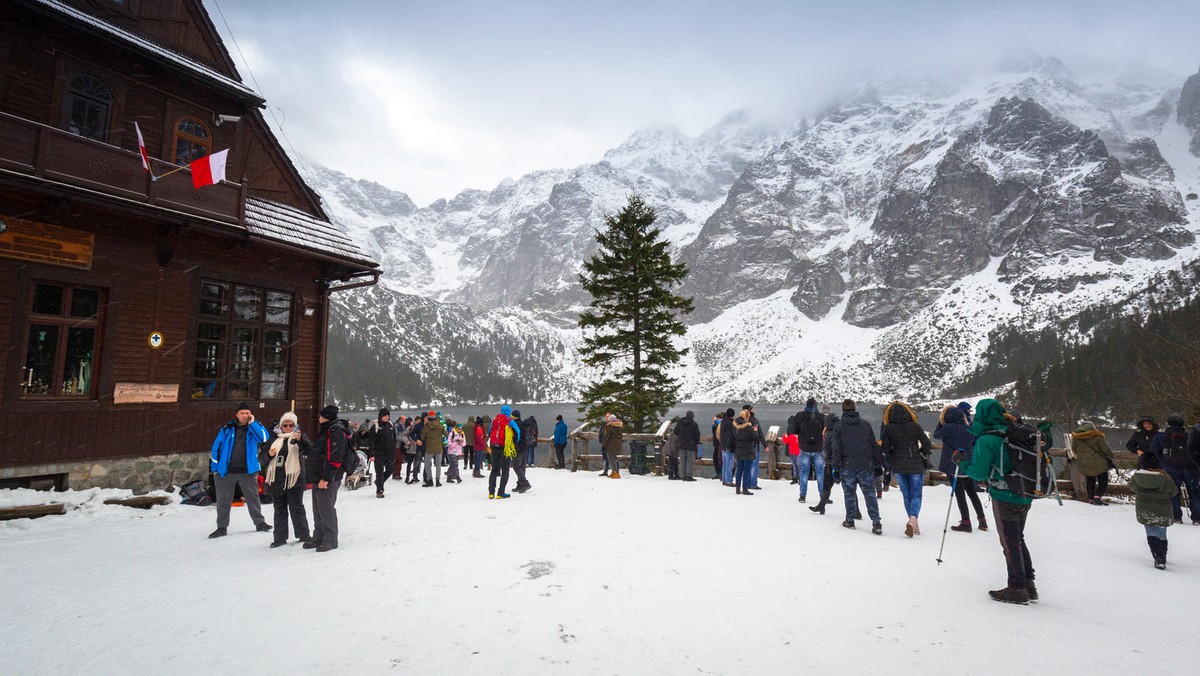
(871, 247)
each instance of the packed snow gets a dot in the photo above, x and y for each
(587, 575)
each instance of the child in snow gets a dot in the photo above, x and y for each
(1154, 490)
(792, 443)
(457, 440)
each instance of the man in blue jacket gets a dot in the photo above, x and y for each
(234, 462)
(560, 442)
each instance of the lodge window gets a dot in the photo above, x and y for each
(242, 338)
(192, 140)
(63, 341)
(88, 107)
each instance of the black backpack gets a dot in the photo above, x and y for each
(811, 427)
(1175, 450)
(1021, 444)
(637, 458)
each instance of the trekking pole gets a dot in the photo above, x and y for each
(946, 526)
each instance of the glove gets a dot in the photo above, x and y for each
(837, 475)
(958, 457)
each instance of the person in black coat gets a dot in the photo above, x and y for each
(1142, 439)
(281, 457)
(855, 457)
(906, 447)
(725, 435)
(954, 434)
(687, 438)
(827, 456)
(383, 450)
(324, 465)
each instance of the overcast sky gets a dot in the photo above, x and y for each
(433, 97)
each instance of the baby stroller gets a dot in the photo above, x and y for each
(362, 476)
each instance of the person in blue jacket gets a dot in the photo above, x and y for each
(560, 441)
(234, 462)
(954, 434)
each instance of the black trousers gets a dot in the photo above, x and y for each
(828, 482)
(967, 488)
(384, 465)
(558, 454)
(412, 468)
(468, 457)
(1010, 525)
(325, 514)
(290, 502)
(716, 456)
(1096, 485)
(518, 466)
(499, 469)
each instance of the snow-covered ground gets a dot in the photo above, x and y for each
(586, 575)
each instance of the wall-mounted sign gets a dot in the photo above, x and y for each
(44, 243)
(145, 393)
(155, 340)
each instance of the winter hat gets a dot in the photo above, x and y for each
(506, 410)
(825, 409)
(432, 414)
(289, 417)
(242, 407)
(747, 407)
(330, 412)
(516, 413)
(558, 417)
(729, 413)
(1175, 420)
(964, 407)
(811, 403)
(848, 405)
(384, 412)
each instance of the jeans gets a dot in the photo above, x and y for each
(754, 466)
(866, 481)
(743, 473)
(795, 467)
(728, 464)
(531, 457)
(1010, 526)
(1159, 532)
(478, 463)
(499, 469)
(817, 462)
(911, 486)
(1182, 477)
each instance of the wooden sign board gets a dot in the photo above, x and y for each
(145, 393)
(44, 243)
(772, 433)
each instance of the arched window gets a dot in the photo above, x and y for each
(89, 104)
(192, 140)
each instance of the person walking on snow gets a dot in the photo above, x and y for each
(989, 462)
(454, 447)
(1178, 452)
(906, 449)
(521, 459)
(953, 433)
(827, 459)
(855, 456)
(234, 463)
(479, 431)
(809, 428)
(383, 449)
(744, 449)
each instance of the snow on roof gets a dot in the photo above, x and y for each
(280, 223)
(150, 47)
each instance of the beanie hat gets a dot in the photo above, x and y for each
(384, 411)
(330, 412)
(289, 417)
(729, 413)
(516, 413)
(506, 410)
(811, 402)
(242, 407)
(432, 414)
(848, 405)
(747, 407)
(558, 417)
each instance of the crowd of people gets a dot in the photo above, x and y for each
(977, 452)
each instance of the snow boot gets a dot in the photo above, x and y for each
(819, 508)
(848, 524)
(438, 484)
(964, 526)
(502, 496)
(801, 498)
(604, 475)
(1010, 595)
(747, 491)
(877, 528)
(1031, 589)
(264, 527)
(218, 533)
(983, 524)
(616, 474)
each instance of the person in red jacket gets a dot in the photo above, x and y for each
(479, 437)
(501, 460)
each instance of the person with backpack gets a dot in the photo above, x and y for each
(906, 449)
(503, 436)
(383, 449)
(1172, 447)
(725, 437)
(283, 477)
(234, 464)
(831, 419)
(809, 428)
(432, 443)
(560, 442)
(991, 461)
(455, 441)
(687, 441)
(1143, 439)
(529, 437)
(1154, 490)
(1093, 458)
(855, 457)
(325, 463)
(520, 461)
(952, 431)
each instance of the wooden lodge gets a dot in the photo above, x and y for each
(137, 313)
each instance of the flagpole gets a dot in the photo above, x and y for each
(176, 169)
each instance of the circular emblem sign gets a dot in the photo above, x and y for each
(155, 340)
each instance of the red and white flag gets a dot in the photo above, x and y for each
(142, 149)
(209, 170)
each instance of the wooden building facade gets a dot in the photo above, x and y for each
(137, 313)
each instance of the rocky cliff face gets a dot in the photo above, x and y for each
(1189, 110)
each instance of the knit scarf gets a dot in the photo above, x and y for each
(289, 461)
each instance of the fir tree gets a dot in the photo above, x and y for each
(633, 317)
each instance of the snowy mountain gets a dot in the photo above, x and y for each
(870, 251)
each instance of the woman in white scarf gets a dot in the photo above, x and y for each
(283, 470)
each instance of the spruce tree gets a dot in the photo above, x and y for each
(633, 317)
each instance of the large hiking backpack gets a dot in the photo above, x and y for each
(1175, 449)
(637, 458)
(1021, 444)
(195, 493)
(811, 428)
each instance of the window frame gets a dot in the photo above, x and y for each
(65, 322)
(226, 362)
(71, 95)
(177, 135)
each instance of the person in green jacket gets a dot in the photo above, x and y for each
(1093, 458)
(988, 463)
(1154, 489)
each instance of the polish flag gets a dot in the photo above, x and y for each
(209, 170)
(142, 147)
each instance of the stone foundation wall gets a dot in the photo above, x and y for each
(141, 475)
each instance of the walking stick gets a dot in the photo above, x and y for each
(946, 526)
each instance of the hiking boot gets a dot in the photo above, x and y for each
(311, 545)
(848, 524)
(877, 528)
(503, 496)
(491, 496)
(983, 525)
(817, 509)
(277, 544)
(795, 481)
(1031, 590)
(326, 548)
(1010, 595)
(263, 528)
(615, 475)
(218, 533)
(604, 475)
(438, 484)
(746, 492)
(801, 498)
(963, 527)
(1160, 564)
